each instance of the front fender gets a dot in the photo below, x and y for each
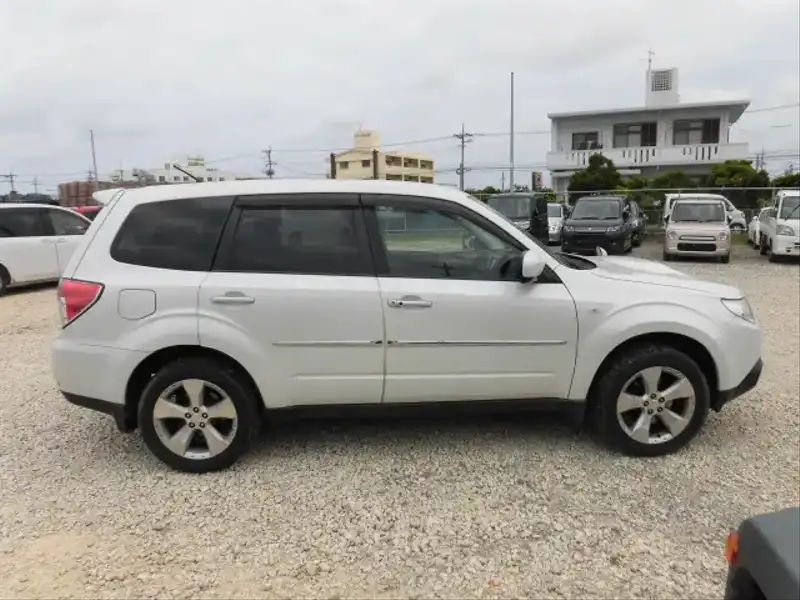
(601, 333)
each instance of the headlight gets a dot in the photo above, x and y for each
(613, 228)
(784, 230)
(741, 308)
(671, 234)
(723, 236)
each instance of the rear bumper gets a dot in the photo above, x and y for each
(748, 383)
(118, 411)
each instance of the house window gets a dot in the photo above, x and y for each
(176, 178)
(344, 165)
(634, 135)
(161, 179)
(700, 131)
(222, 179)
(365, 163)
(587, 140)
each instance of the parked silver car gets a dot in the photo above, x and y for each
(697, 227)
(556, 213)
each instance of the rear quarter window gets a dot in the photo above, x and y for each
(172, 234)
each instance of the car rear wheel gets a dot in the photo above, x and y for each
(651, 401)
(5, 280)
(197, 416)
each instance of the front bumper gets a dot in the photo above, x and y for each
(785, 245)
(678, 247)
(748, 383)
(580, 242)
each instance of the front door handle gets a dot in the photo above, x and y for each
(410, 302)
(233, 298)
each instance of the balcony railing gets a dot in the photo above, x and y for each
(651, 156)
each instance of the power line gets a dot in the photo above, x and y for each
(771, 108)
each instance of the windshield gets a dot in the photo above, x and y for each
(512, 207)
(697, 212)
(554, 211)
(587, 209)
(789, 207)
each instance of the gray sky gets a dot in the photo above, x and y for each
(156, 79)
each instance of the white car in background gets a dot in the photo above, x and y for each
(754, 228)
(780, 231)
(736, 218)
(36, 242)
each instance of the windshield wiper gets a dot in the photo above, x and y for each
(792, 212)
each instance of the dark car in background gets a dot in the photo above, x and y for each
(526, 210)
(598, 222)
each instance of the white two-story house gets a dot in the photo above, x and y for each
(664, 135)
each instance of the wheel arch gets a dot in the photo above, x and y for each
(683, 343)
(4, 274)
(148, 367)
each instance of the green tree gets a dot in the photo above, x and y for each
(740, 174)
(599, 175)
(787, 180)
(673, 180)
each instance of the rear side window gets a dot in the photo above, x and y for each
(302, 240)
(65, 223)
(21, 222)
(173, 234)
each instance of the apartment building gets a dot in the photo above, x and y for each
(359, 162)
(167, 173)
(663, 135)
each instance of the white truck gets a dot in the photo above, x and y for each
(780, 230)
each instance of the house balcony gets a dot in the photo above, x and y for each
(654, 156)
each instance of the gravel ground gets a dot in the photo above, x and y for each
(480, 507)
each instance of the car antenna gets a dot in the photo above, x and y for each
(185, 172)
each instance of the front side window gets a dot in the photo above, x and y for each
(173, 234)
(21, 222)
(789, 208)
(589, 209)
(426, 243)
(706, 212)
(296, 239)
(64, 223)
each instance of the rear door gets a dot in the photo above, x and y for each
(26, 251)
(294, 284)
(67, 229)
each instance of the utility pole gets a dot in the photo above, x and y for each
(36, 185)
(268, 164)
(10, 177)
(511, 153)
(503, 181)
(464, 137)
(94, 162)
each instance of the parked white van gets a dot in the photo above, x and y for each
(736, 218)
(36, 242)
(780, 231)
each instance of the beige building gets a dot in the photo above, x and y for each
(357, 163)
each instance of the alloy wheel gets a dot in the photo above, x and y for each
(656, 405)
(195, 419)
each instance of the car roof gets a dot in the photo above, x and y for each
(29, 205)
(790, 193)
(690, 200)
(157, 193)
(620, 198)
(695, 195)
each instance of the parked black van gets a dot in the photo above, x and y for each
(598, 221)
(526, 210)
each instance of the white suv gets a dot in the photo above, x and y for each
(196, 311)
(36, 242)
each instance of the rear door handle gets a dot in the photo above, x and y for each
(410, 302)
(233, 298)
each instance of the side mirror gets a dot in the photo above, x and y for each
(600, 251)
(730, 218)
(532, 265)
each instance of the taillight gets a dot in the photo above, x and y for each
(76, 297)
(732, 548)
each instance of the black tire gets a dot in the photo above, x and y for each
(725, 259)
(609, 387)
(762, 246)
(666, 257)
(771, 256)
(5, 280)
(637, 240)
(243, 397)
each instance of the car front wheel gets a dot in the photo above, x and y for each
(197, 416)
(651, 401)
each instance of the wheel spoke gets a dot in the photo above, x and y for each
(164, 409)
(627, 402)
(650, 377)
(224, 409)
(682, 388)
(179, 442)
(641, 430)
(194, 389)
(673, 421)
(215, 441)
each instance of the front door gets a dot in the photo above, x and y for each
(67, 230)
(295, 284)
(459, 323)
